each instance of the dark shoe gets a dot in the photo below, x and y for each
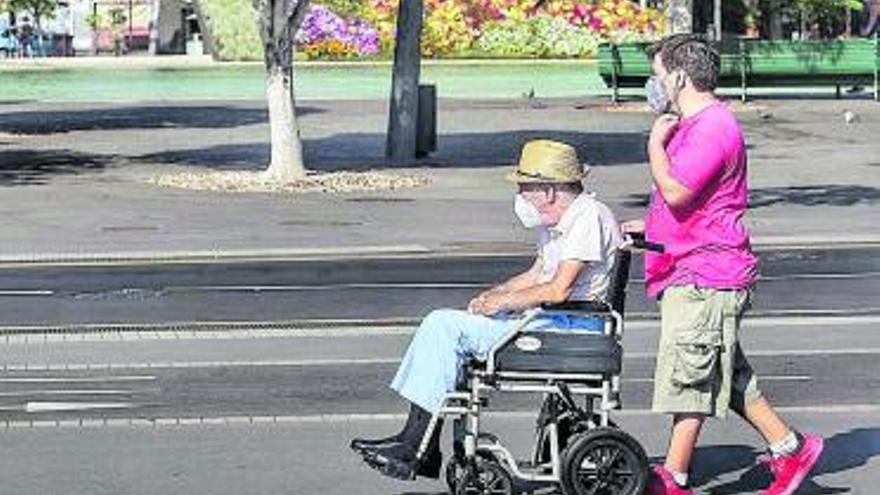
(430, 464)
(412, 432)
(395, 461)
(399, 461)
(361, 445)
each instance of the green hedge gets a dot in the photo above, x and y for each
(234, 29)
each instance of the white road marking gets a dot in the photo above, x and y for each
(7, 367)
(305, 288)
(362, 418)
(388, 329)
(25, 393)
(35, 407)
(195, 364)
(26, 293)
(94, 379)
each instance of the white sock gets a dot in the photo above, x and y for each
(787, 446)
(681, 479)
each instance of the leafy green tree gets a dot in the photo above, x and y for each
(38, 9)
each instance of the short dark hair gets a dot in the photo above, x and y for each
(692, 54)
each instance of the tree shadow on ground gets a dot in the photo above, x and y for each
(821, 195)
(136, 117)
(36, 167)
(360, 151)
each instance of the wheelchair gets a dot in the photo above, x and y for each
(577, 448)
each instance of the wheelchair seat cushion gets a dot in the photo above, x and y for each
(561, 352)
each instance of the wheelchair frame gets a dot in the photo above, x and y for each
(466, 405)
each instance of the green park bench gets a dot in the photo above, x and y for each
(750, 63)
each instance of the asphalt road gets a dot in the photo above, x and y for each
(270, 410)
(798, 281)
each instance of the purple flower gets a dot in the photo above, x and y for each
(321, 24)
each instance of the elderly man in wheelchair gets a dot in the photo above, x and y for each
(553, 329)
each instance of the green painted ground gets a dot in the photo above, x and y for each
(493, 80)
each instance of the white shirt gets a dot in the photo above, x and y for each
(586, 232)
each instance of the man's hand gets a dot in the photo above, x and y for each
(662, 130)
(487, 304)
(633, 227)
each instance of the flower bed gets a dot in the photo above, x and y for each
(364, 29)
(349, 29)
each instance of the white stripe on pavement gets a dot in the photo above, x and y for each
(364, 361)
(385, 330)
(33, 407)
(361, 418)
(25, 393)
(95, 379)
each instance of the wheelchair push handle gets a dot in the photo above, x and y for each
(637, 240)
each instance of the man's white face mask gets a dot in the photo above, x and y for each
(527, 213)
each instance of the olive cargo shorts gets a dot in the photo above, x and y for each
(700, 366)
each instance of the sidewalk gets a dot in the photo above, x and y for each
(74, 177)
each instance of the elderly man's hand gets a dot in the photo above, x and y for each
(633, 227)
(487, 304)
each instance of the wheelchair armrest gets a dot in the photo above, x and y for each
(579, 307)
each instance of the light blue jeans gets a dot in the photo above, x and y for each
(446, 337)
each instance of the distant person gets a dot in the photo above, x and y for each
(25, 40)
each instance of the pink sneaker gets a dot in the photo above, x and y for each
(789, 471)
(662, 483)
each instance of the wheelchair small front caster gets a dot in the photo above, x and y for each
(604, 461)
(482, 477)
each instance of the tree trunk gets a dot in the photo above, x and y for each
(279, 21)
(287, 159)
(403, 113)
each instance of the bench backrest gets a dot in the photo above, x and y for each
(853, 56)
(761, 58)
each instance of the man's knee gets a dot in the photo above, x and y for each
(440, 318)
(441, 323)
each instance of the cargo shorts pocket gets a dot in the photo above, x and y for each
(696, 355)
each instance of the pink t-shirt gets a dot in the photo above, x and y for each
(706, 242)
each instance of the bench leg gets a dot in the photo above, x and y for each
(837, 92)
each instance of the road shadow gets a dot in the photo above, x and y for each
(136, 117)
(361, 151)
(819, 195)
(36, 167)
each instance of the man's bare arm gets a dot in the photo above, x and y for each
(555, 291)
(525, 279)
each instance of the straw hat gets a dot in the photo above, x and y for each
(548, 162)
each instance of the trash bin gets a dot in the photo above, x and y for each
(426, 127)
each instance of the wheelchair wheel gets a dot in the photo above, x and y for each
(604, 461)
(483, 477)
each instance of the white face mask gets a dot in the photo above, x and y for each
(658, 98)
(526, 212)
